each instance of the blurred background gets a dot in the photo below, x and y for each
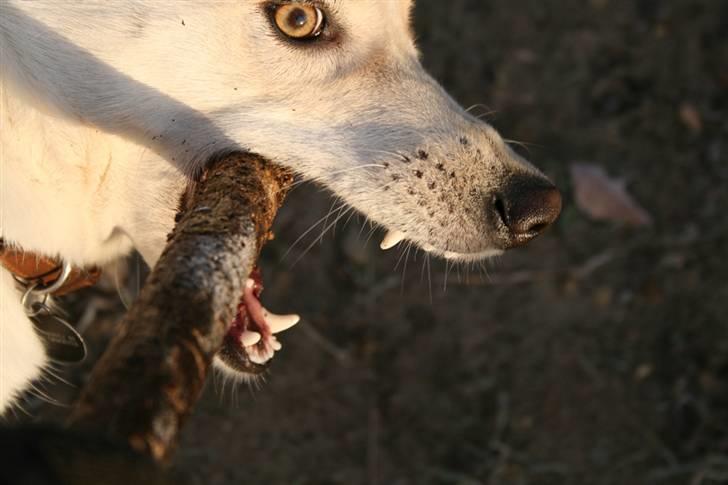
(596, 355)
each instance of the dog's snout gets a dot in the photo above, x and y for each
(525, 207)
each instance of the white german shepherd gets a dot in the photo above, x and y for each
(109, 105)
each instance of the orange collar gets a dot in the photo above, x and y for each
(33, 268)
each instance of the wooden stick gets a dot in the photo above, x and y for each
(148, 380)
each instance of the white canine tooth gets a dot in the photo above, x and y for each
(392, 239)
(249, 338)
(249, 283)
(279, 323)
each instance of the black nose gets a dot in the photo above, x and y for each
(526, 206)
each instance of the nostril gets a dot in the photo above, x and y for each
(539, 227)
(526, 206)
(500, 209)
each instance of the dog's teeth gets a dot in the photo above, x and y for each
(279, 323)
(260, 357)
(249, 338)
(276, 344)
(249, 283)
(392, 239)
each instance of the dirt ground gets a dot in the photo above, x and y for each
(597, 355)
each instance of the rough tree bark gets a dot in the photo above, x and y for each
(148, 380)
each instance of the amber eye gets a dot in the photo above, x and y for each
(298, 20)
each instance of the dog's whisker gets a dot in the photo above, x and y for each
(410, 245)
(43, 396)
(447, 272)
(307, 232)
(331, 210)
(388, 153)
(477, 105)
(525, 145)
(333, 226)
(429, 276)
(402, 252)
(372, 230)
(51, 371)
(302, 181)
(310, 246)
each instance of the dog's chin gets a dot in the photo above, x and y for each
(234, 374)
(468, 257)
(394, 237)
(457, 257)
(233, 360)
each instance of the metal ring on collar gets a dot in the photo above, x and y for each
(28, 303)
(66, 269)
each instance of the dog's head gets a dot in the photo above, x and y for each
(335, 89)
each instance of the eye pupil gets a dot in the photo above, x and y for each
(298, 18)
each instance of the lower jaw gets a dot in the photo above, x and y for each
(235, 360)
(465, 257)
(468, 257)
(250, 342)
(394, 237)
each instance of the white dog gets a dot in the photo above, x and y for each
(109, 105)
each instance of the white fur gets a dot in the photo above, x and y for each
(22, 357)
(108, 105)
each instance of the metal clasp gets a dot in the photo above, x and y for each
(35, 293)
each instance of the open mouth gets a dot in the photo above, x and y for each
(251, 341)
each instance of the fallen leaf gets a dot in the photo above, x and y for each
(690, 116)
(605, 198)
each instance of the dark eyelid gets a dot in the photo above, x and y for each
(271, 5)
(314, 3)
